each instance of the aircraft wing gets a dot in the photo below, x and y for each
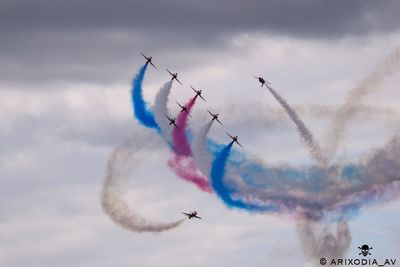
(169, 72)
(167, 117)
(143, 55)
(153, 65)
(179, 104)
(196, 217)
(187, 112)
(227, 134)
(239, 144)
(178, 81)
(202, 98)
(193, 89)
(187, 214)
(219, 121)
(210, 113)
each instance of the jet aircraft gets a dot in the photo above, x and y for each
(235, 139)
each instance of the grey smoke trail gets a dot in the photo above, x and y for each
(319, 241)
(160, 108)
(112, 193)
(350, 107)
(305, 134)
(199, 149)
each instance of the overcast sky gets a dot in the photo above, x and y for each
(65, 74)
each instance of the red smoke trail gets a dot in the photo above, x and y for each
(180, 142)
(182, 162)
(186, 168)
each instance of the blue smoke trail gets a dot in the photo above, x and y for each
(217, 175)
(141, 111)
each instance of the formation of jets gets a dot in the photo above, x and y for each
(235, 139)
(191, 215)
(199, 94)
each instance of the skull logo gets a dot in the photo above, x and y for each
(365, 250)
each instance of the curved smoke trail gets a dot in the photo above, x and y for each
(217, 181)
(305, 134)
(160, 108)
(112, 193)
(182, 161)
(352, 104)
(142, 112)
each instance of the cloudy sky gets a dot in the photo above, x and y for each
(65, 74)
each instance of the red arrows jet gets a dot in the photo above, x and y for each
(262, 81)
(148, 60)
(174, 76)
(235, 139)
(171, 120)
(191, 215)
(198, 93)
(214, 117)
(184, 109)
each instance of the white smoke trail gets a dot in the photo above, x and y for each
(352, 104)
(305, 134)
(319, 241)
(160, 108)
(199, 149)
(112, 193)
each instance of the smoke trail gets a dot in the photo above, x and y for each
(186, 168)
(142, 112)
(182, 161)
(333, 193)
(305, 134)
(352, 104)
(180, 142)
(112, 193)
(318, 241)
(160, 108)
(217, 177)
(201, 154)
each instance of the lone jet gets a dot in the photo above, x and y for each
(235, 139)
(171, 121)
(198, 93)
(148, 60)
(174, 76)
(262, 81)
(214, 117)
(184, 109)
(191, 215)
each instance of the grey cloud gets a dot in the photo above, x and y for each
(307, 17)
(98, 41)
